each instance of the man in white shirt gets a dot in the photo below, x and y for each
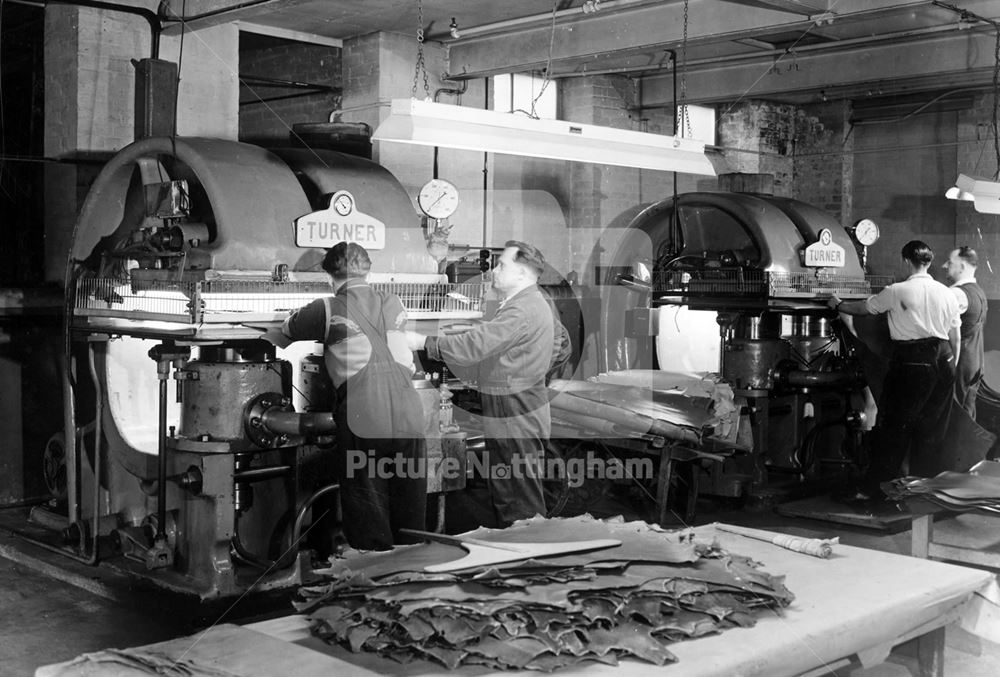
(916, 396)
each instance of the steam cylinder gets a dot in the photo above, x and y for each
(749, 363)
(215, 394)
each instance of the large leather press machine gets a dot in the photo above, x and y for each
(197, 449)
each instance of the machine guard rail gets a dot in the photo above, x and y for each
(242, 301)
(758, 284)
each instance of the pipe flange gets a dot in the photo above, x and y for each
(253, 419)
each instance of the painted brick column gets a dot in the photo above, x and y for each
(88, 108)
(208, 96)
(823, 159)
(378, 68)
(759, 139)
(90, 96)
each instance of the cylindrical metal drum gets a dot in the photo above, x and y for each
(748, 364)
(215, 394)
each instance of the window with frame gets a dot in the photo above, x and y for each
(519, 91)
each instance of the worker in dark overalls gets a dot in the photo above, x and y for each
(919, 386)
(509, 354)
(961, 269)
(377, 411)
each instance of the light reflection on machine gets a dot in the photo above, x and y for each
(741, 259)
(211, 443)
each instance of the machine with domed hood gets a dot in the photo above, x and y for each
(195, 454)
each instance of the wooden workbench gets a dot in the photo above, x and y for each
(850, 609)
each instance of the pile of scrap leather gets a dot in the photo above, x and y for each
(978, 489)
(637, 590)
(655, 406)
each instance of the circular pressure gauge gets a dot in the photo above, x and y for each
(438, 199)
(866, 232)
(343, 203)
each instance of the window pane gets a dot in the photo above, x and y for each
(700, 123)
(517, 92)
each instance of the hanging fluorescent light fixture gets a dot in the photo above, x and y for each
(983, 193)
(448, 126)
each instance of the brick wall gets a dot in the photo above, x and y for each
(901, 170)
(269, 122)
(207, 95)
(821, 157)
(89, 102)
(759, 138)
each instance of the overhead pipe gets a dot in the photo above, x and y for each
(521, 23)
(769, 55)
(164, 9)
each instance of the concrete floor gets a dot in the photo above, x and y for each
(53, 612)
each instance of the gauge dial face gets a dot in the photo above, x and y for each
(438, 199)
(866, 232)
(343, 204)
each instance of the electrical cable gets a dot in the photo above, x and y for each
(546, 79)
(788, 50)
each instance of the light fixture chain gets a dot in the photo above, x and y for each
(686, 121)
(420, 64)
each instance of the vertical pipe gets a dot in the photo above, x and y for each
(98, 433)
(674, 219)
(486, 158)
(69, 434)
(163, 370)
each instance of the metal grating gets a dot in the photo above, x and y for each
(438, 299)
(242, 301)
(758, 284)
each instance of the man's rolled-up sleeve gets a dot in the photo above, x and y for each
(881, 302)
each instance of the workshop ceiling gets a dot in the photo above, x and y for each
(782, 50)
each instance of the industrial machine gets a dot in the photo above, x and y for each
(194, 447)
(752, 273)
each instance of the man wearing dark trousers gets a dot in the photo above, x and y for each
(919, 386)
(961, 269)
(509, 355)
(378, 412)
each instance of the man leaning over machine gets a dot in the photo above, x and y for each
(510, 355)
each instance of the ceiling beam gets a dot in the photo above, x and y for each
(649, 27)
(948, 59)
(795, 6)
(215, 12)
(754, 42)
(286, 34)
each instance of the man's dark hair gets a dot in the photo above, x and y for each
(347, 260)
(969, 255)
(918, 253)
(528, 255)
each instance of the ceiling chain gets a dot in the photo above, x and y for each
(686, 122)
(420, 65)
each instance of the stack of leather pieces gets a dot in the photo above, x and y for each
(977, 489)
(633, 405)
(545, 612)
